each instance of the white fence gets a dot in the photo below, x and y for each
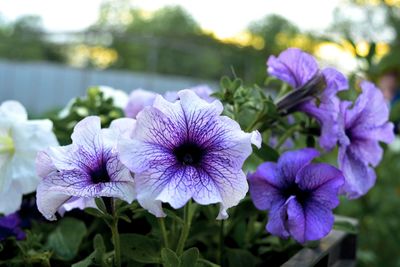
(42, 86)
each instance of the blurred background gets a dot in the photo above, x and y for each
(52, 51)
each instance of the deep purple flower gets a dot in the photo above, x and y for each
(186, 150)
(88, 168)
(10, 225)
(298, 68)
(361, 129)
(299, 195)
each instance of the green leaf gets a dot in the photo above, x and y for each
(140, 248)
(169, 258)
(189, 257)
(240, 258)
(205, 263)
(94, 212)
(266, 153)
(97, 256)
(101, 205)
(66, 238)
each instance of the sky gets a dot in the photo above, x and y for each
(223, 17)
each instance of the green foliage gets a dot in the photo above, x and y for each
(94, 103)
(140, 248)
(97, 257)
(65, 240)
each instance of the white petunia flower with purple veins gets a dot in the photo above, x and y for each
(187, 150)
(362, 127)
(20, 140)
(88, 168)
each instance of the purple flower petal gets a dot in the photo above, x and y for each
(324, 181)
(265, 185)
(277, 218)
(292, 162)
(88, 168)
(186, 150)
(138, 100)
(293, 66)
(360, 178)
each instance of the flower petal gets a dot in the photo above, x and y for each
(10, 199)
(291, 162)
(265, 186)
(323, 181)
(293, 66)
(359, 177)
(370, 109)
(14, 110)
(138, 100)
(277, 218)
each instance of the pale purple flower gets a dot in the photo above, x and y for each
(299, 195)
(186, 150)
(138, 100)
(298, 69)
(361, 129)
(88, 168)
(203, 91)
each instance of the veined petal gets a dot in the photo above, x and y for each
(293, 66)
(335, 82)
(369, 109)
(323, 181)
(291, 162)
(277, 218)
(318, 221)
(86, 134)
(265, 185)
(359, 177)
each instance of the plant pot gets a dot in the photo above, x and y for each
(338, 249)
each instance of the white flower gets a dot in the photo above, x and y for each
(20, 140)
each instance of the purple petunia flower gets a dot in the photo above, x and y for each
(299, 195)
(10, 225)
(361, 129)
(88, 168)
(298, 69)
(186, 150)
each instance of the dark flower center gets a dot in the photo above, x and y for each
(100, 174)
(189, 153)
(294, 190)
(349, 134)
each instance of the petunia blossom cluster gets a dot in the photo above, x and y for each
(192, 146)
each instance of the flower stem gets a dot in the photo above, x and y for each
(187, 218)
(286, 135)
(115, 237)
(221, 243)
(163, 232)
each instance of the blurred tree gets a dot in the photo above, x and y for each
(25, 39)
